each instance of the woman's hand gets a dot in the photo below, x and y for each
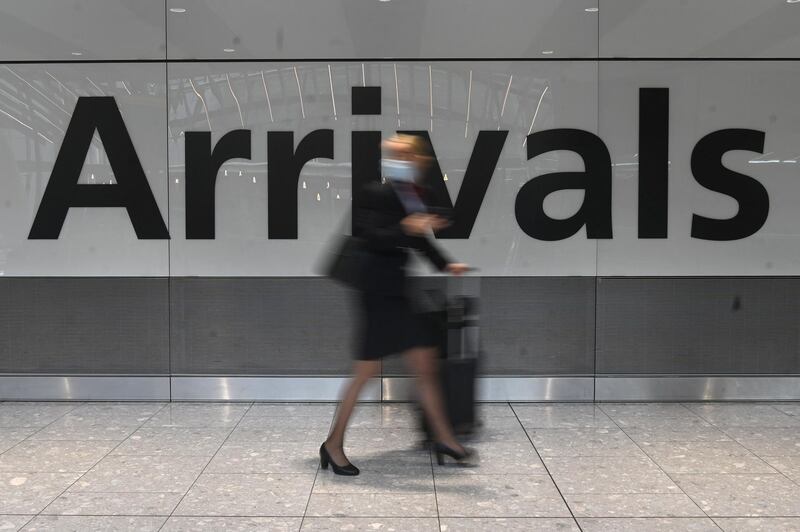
(420, 224)
(457, 268)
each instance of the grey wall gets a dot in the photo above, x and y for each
(84, 325)
(98, 300)
(260, 326)
(698, 326)
(304, 326)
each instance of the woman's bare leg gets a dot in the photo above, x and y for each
(363, 371)
(424, 361)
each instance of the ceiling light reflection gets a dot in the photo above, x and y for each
(535, 114)
(43, 117)
(299, 92)
(505, 98)
(430, 92)
(235, 99)
(469, 102)
(205, 108)
(95, 86)
(266, 93)
(43, 95)
(61, 84)
(396, 94)
(16, 120)
(333, 99)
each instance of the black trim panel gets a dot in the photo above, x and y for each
(400, 60)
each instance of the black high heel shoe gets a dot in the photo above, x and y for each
(348, 470)
(443, 450)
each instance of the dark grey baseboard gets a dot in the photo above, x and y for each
(644, 338)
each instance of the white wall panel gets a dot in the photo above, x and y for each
(36, 105)
(699, 28)
(704, 97)
(47, 30)
(557, 94)
(36, 102)
(306, 29)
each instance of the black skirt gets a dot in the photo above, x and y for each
(391, 324)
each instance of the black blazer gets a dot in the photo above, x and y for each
(378, 223)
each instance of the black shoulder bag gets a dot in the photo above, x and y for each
(345, 261)
(348, 262)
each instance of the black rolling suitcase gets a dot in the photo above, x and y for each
(457, 321)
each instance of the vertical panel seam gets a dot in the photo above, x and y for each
(166, 178)
(597, 242)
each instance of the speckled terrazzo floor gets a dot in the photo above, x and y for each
(242, 466)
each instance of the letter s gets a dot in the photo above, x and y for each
(751, 195)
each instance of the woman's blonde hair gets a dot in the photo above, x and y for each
(418, 146)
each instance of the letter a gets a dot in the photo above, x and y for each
(131, 191)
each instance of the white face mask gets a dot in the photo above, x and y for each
(397, 170)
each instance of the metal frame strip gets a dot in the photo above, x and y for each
(327, 388)
(697, 388)
(84, 388)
